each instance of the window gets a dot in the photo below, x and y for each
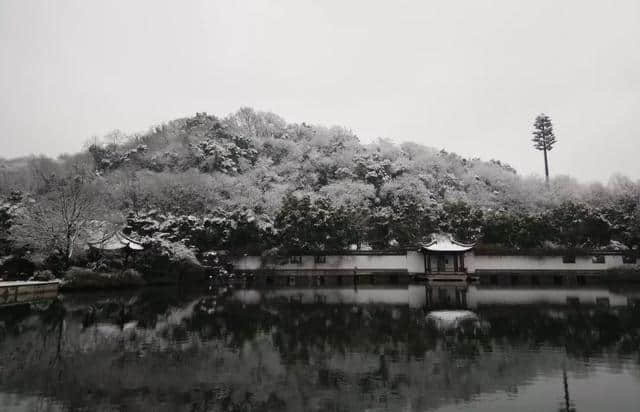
(295, 259)
(320, 259)
(557, 280)
(602, 302)
(568, 259)
(515, 279)
(629, 259)
(597, 259)
(535, 280)
(581, 279)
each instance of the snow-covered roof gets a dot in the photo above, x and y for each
(441, 242)
(115, 241)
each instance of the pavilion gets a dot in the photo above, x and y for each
(444, 258)
(116, 241)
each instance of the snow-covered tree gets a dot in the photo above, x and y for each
(543, 139)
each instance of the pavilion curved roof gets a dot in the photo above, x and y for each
(442, 242)
(115, 241)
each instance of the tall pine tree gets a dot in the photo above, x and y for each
(544, 139)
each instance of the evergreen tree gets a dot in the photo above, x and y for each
(544, 139)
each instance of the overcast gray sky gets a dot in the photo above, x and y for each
(467, 76)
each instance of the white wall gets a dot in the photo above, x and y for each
(247, 263)
(413, 262)
(485, 262)
(344, 262)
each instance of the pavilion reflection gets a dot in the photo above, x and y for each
(448, 296)
(349, 349)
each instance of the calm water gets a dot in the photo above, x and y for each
(287, 349)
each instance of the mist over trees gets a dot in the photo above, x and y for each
(252, 183)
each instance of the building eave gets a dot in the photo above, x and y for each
(445, 243)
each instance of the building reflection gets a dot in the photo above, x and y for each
(344, 348)
(448, 296)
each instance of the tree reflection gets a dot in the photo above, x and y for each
(187, 351)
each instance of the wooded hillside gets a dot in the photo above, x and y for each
(251, 182)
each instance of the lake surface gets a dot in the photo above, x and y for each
(373, 348)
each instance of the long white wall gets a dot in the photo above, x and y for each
(336, 262)
(485, 262)
(413, 262)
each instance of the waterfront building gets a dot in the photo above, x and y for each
(445, 259)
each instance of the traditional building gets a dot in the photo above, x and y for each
(115, 241)
(444, 258)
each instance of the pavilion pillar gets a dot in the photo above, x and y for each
(424, 258)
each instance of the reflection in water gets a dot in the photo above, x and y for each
(454, 320)
(447, 296)
(324, 349)
(567, 399)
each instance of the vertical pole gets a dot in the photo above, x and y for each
(455, 262)
(546, 167)
(424, 257)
